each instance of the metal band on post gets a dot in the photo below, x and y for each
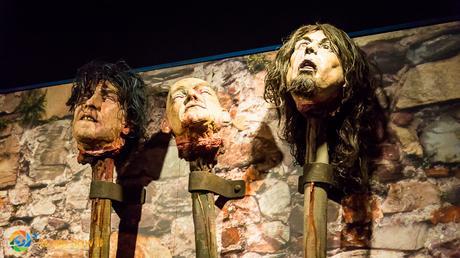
(319, 173)
(322, 175)
(108, 190)
(205, 181)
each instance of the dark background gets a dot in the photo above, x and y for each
(42, 42)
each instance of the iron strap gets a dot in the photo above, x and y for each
(112, 191)
(206, 181)
(318, 173)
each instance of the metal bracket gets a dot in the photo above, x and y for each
(112, 191)
(206, 181)
(320, 173)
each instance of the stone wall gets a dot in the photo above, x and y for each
(413, 211)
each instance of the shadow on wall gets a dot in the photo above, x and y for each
(142, 166)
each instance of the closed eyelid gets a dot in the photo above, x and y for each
(109, 93)
(177, 95)
(204, 89)
(177, 91)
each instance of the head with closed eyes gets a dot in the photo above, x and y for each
(192, 105)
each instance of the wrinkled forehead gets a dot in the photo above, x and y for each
(92, 86)
(185, 85)
(189, 83)
(313, 35)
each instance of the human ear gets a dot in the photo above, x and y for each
(126, 130)
(165, 126)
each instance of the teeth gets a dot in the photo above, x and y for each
(307, 65)
(307, 68)
(88, 118)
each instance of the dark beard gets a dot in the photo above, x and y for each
(303, 86)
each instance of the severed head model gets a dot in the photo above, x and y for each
(108, 101)
(320, 72)
(194, 115)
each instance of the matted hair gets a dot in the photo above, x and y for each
(350, 130)
(131, 90)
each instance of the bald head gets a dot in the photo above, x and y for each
(193, 104)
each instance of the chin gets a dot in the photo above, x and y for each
(85, 137)
(196, 119)
(93, 141)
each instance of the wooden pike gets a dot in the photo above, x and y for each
(204, 215)
(315, 198)
(99, 238)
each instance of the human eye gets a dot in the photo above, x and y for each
(178, 96)
(108, 94)
(111, 96)
(301, 44)
(326, 44)
(206, 91)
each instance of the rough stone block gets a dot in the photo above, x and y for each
(441, 140)
(430, 83)
(399, 237)
(410, 195)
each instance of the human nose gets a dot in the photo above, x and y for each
(310, 50)
(192, 94)
(94, 102)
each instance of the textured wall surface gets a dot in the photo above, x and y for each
(413, 211)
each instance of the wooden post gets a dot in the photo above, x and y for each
(315, 198)
(204, 216)
(99, 238)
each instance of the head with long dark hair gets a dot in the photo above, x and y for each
(115, 88)
(348, 112)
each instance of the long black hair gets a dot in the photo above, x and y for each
(350, 130)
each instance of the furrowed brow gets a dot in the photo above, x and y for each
(325, 40)
(180, 88)
(307, 38)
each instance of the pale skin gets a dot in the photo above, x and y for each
(313, 57)
(99, 122)
(192, 103)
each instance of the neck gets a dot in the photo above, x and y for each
(195, 144)
(92, 157)
(87, 153)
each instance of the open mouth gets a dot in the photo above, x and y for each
(307, 66)
(88, 118)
